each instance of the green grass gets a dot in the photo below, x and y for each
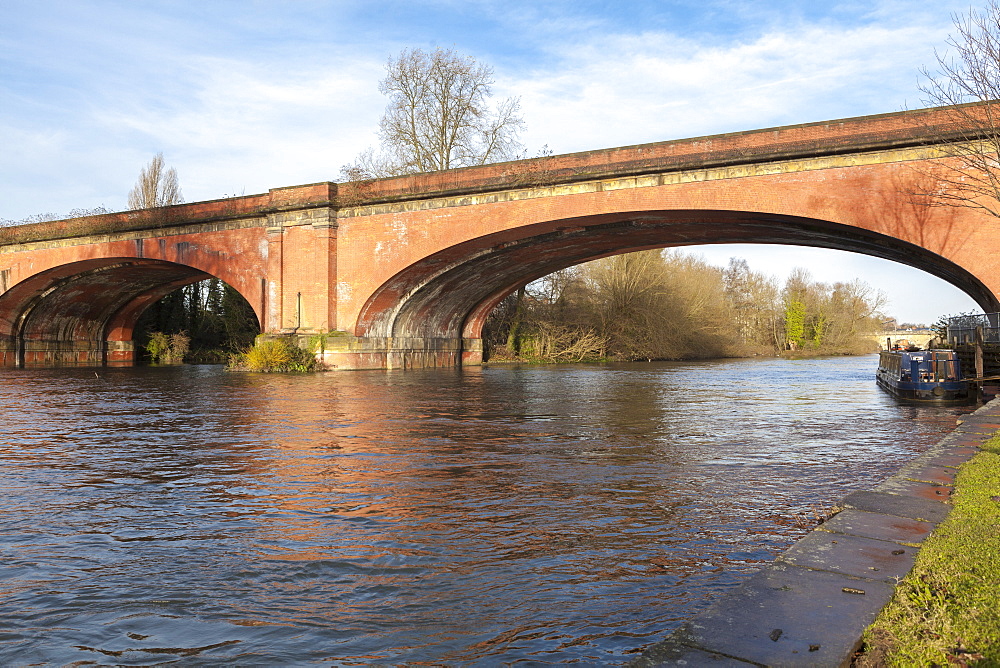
(947, 610)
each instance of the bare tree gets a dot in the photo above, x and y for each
(967, 80)
(439, 117)
(754, 300)
(155, 187)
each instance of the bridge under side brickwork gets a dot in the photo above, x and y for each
(403, 272)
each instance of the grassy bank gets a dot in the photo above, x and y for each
(947, 610)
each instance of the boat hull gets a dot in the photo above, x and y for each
(937, 392)
(923, 375)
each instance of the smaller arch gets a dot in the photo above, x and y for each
(84, 313)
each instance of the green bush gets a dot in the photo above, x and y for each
(274, 355)
(168, 348)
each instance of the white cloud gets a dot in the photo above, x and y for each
(626, 89)
(243, 125)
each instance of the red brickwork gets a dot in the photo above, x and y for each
(403, 272)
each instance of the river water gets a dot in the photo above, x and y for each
(484, 515)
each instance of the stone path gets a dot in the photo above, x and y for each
(810, 607)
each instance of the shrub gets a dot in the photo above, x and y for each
(168, 348)
(274, 355)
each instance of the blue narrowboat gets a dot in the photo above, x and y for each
(922, 375)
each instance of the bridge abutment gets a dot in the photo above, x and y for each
(342, 351)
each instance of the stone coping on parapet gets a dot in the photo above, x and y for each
(811, 606)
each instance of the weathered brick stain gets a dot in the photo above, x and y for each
(404, 271)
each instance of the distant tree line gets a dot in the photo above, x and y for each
(673, 305)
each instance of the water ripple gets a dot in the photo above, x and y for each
(539, 514)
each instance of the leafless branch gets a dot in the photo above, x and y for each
(156, 186)
(967, 82)
(439, 117)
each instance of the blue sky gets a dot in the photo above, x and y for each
(245, 96)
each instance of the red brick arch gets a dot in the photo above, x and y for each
(84, 312)
(450, 293)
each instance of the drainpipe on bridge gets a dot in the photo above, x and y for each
(980, 372)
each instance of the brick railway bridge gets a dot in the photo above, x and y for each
(403, 272)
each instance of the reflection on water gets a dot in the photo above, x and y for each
(570, 513)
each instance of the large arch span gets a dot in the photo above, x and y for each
(450, 294)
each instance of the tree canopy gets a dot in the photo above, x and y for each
(439, 116)
(156, 186)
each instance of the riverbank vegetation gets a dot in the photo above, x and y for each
(674, 305)
(945, 611)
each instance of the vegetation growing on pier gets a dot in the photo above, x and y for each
(274, 355)
(945, 611)
(168, 348)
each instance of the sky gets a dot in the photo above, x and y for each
(244, 96)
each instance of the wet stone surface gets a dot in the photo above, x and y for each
(851, 555)
(933, 473)
(881, 527)
(746, 624)
(901, 506)
(931, 491)
(682, 655)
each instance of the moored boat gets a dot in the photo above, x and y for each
(922, 375)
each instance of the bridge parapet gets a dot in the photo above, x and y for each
(922, 127)
(159, 221)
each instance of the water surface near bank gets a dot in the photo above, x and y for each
(499, 514)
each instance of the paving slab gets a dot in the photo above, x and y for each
(952, 458)
(668, 654)
(932, 473)
(900, 506)
(882, 527)
(851, 555)
(964, 440)
(958, 437)
(932, 491)
(987, 425)
(976, 428)
(773, 619)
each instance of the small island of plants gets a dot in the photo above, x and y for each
(274, 355)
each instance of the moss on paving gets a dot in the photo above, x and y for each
(947, 610)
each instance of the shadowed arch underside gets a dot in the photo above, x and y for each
(84, 313)
(450, 293)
